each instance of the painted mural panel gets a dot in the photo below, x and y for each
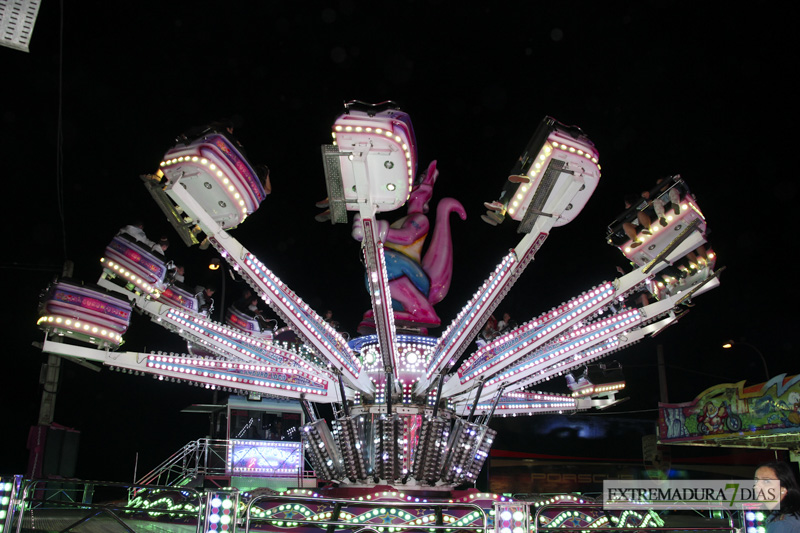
(731, 409)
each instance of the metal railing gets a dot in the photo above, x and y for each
(203, 457)
(336, 506)
(596, 509)
(64, 504)
(206, 458)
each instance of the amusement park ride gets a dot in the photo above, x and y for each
(411, 410)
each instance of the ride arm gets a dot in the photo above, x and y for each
(328, 343)
(551, 339)
(373, 232)
(266, 379)
(468, 323)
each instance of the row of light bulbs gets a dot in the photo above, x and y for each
(76, 326)
(214, 171)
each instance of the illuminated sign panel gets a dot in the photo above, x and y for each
(264, 458)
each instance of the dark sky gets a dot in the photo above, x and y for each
(698, 89)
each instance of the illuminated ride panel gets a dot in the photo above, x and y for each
(179, 296)
(554, 151)
(687, 215)
(246, 323)
(305, 510)
(132, 263)
(383, 138)
(217, 175)
(84, 313)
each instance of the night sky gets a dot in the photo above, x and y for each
(662, 88)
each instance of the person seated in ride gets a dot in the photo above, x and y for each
(665, 194)
(242, 304)
(325, 215)
(253, 309)
(205, 302)
(641, 224)
(489, 330)
(699, 257)
(136, 231)
(175, 274)
(506, 324)
(637, 299)
(223, 127)
(179, 274)
(248, 306)
(161, 246)
(255, 312)
(496, 210)
(328, 317)
(262, 171)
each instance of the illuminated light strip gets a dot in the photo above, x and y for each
(402, 339)
(77, 326)
(239, 163)
(584, 150)
(532, 396)
(199, 363)
(203, 323)
(565, 365)
(223, 335)
(378, 497)
(529, 408)
(386, 134)
(589, 334)
(85, 302)
(546, 152)
(332, 340)
(468, 326)
(656, 228)
(290, 299)
(265, 349)
(485, 296)
(534, 331)
(146, 262)
(203, 364)
(559, 402)
(693, 207)
(130, 276)
(594, 389)
(554, 355)
(380, 295)
(214, 331)
(200, 375)
(231, 190)
(189, 325)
